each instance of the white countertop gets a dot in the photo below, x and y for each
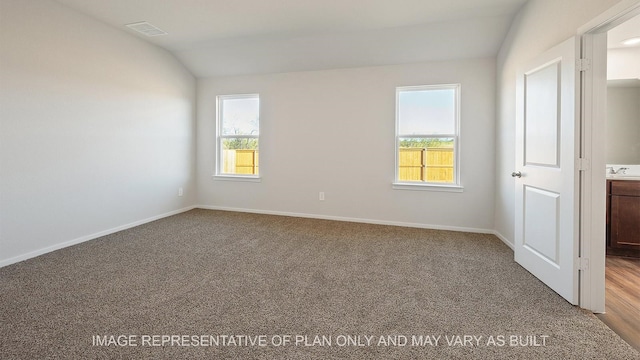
(623, 177)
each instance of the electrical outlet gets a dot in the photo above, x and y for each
(180, 192)
(321, 196)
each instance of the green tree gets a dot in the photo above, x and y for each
(426, 143)
(240, 143)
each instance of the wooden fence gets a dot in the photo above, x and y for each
(426, 164)
(415, 164)
(240, 162)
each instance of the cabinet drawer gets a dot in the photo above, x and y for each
(628, 188)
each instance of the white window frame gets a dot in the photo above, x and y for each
(219, 175)
(431, 186)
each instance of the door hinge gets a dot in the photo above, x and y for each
(583, 64)
(583, 164)
(583, 264)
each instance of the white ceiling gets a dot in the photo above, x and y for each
(627, 30)
(623, 61)
(232, 37)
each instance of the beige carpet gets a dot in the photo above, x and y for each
(254, 282)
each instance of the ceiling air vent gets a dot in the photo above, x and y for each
(146, 28)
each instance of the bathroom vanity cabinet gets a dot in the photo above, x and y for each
(623, 217)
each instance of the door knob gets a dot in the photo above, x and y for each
(516, 174)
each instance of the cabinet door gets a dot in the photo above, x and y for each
(625, 222)
(608, 229)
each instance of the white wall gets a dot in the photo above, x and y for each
(97, 129)
(623, 125)
(538, 26)
(623, 63)
(333, 131)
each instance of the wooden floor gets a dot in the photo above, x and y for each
(622, 304)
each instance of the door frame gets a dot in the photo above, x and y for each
(593, 108)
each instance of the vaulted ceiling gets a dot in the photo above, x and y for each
(223, 37)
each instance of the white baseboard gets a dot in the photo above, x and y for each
(504, 239)
(82, 239)
(349, 219)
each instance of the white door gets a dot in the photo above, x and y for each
(546, 231)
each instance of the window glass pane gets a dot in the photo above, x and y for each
(240, 156)
(426, 160)
(240, 116)
(427, 112)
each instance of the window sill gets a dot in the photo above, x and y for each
(237, 178)
(428, 187)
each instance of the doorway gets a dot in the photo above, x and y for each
(610, 77)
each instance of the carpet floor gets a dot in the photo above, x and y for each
(214, 284)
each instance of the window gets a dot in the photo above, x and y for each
(238, 132)
(427, 122)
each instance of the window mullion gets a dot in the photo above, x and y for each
(239, 136)
(422, 136)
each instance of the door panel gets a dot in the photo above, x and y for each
(546, 208)
(542, 119)
(541, 231)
